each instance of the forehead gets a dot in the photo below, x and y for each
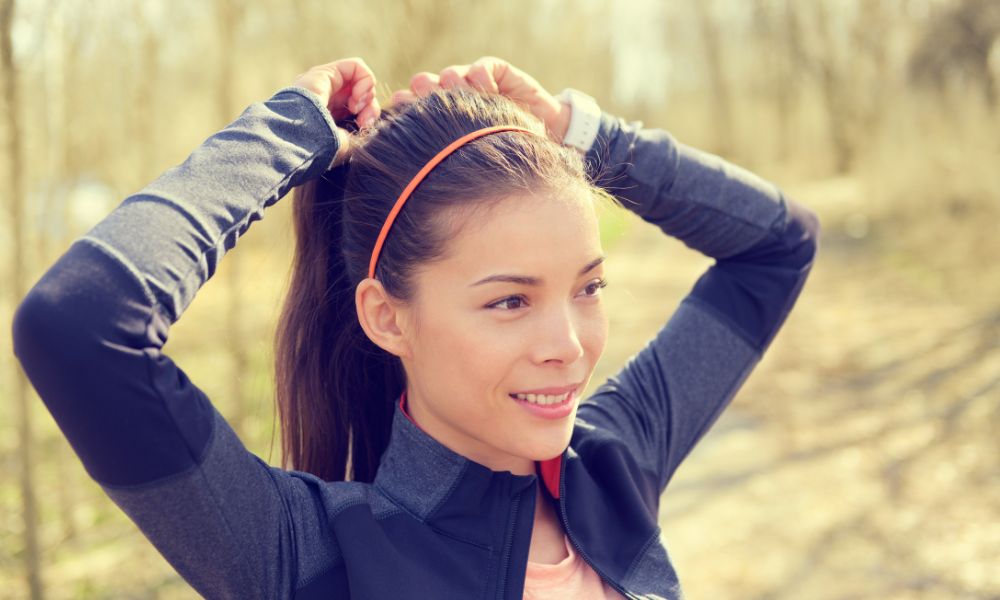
(532, 234)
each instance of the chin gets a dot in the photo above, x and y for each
(544, 450)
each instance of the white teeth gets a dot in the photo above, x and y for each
(542, 399)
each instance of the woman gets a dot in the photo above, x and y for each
(443, 318)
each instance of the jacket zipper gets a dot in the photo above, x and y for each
(569, 534)
(508, 542)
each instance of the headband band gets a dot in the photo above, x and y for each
(420, 176)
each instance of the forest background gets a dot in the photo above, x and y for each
(861, 458)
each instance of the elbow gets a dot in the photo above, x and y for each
(802, 235)
(38, 330)
(79, 306)
(63, 333)
(810, 223)
(791, 246)
(28, 328)
(41, 343)
(85, 306)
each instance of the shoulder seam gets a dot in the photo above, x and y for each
(212, 437)
(112, 253)
(642, 553)
(717, 315)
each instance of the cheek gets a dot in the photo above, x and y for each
(466, 357)
(485, 356)
(594, 331)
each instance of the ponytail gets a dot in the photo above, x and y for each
(335, 388)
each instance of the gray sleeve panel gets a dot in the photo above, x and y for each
(176, 230)
(233, 526)
(710, 204)
(671, 392)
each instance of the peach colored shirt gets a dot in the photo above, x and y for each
(572, 578)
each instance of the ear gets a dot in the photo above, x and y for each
(380, 317)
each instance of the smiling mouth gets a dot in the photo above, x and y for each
(543, 399)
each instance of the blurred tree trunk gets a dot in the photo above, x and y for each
(722, 106)
(780, 40)
(795, 55)
(56, 211)
(69, 162)
(955, 48)
(15, 182)
(143, 109)
(229, 15)
(65, 496)
(870, 37)
(835, 91)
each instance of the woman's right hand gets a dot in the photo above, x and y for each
(497, 76)
(346, 87)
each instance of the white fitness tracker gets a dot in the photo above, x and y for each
(584, 120)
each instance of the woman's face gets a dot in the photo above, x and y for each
(473, 342)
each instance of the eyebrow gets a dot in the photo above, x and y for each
(528, 280)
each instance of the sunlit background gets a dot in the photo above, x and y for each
(862, 457)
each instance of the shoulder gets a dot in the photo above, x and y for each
(335, 497)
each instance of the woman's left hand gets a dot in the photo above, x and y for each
(346, 87)
(497, 76)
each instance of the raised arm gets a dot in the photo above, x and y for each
(90, 335)
(667, 396)
(671, 392)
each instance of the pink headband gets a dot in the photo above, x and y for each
(420, 176)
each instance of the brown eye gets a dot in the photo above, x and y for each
(595, 286)
(516, 299)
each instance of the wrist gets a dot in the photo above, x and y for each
(558, 123)
(554, 114)
(343, 147)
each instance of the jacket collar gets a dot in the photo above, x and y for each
(429, 479)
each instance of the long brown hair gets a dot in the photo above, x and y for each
(335, 388)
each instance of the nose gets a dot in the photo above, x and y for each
(557, 338)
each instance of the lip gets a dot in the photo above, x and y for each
(551, 391)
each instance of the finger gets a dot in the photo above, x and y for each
(331, 74)
(356, 74)
(400, 97)
(454, 77)
(510, 78)
(354, 69)
(361, 90)
(320, 80)
(356, 106)
(369, 113)
(422, 83)
(480, 76)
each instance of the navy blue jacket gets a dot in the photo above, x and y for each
(433, 524)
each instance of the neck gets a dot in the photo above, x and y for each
(414, 411)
